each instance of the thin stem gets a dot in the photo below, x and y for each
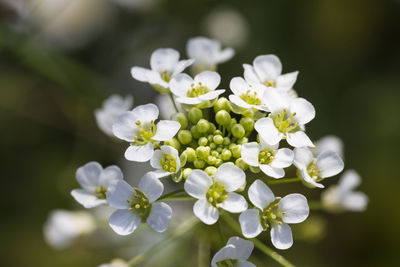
(258, 244)
(172, 194)
(284, 181)
(188, 225)
(173, 102)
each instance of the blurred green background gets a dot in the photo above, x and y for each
(60, 59)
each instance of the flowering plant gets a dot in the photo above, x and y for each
(224, 153)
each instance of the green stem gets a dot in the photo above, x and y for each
(171, 194)
(257, 243)
(173, 102)
(284, 181)
(188, 225)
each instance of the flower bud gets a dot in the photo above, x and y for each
(219, 162)
(243, 140)
(182, 119)
(210, 170)
(238, 131)
(241, 164)
(174, 143)
(190, 154)
(218, 139)
(213, 145)
(222, 117)
(212, 128)
(185, 137)
(227, 141)
(186, 172)
(226, 154)
(248, 113)
(254, 169)
(236, 150)
(203, 152)
(203, 141)
(247, 123)
(199, 163)
(202, 126)
(195, 114)
(194, 132)
(221, 104)
(211, 160)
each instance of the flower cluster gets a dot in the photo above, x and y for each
(224, 152)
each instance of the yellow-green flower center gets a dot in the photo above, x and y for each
(313, 171)
(216, 194)
(271, 214)
(285, 122)
(100, 192)
(140, 204)
(270, 83)
(165, 75)
(145, 133)
(251, 98)
(266, 156)
(168, 163)
(195, 91)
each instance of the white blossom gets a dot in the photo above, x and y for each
(286, 120)
(247, 96)
(95, 181)
(273, 212)
(111, 109)
(342, 196)
(235, 253)
(165, 105)
(138, 205)
(329, 143)
(63, 227)
(138, 127)
(269, 159)
(166, 160)
(314, 169)
(115, 263)
(165, 65)
(216, 192)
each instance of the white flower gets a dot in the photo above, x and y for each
(165, 106)
(235, 253)
(269, 159)
(314, 169)
(115, 263)
(195, 91)
(138, 205)
(207, 53)
(165, 65)
(267, 70)
(95, 182)
(329, 143)
(286, 120)
(111, 109)
(217, 192)
(247, 96)
(166, 160)
(138, 128)
(63, 227)
(273, 212)
(342, 197)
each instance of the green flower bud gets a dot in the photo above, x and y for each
(195, 114)
(218, 139)
(212, 128)
(183, 158)
(210, 138)
(215, 154)
(222, 117)
(174, 143)
(202, 126)
(199, 163)
(243, 140)
(227, 141)
(213, 146)
(241, 164)
(190, 154)
(202, 152)
(194, 132)
(219, 162)
(186, 172)
(203, 141)
(233, 122)
(226, 154)
(221, 104)
(236, 150)
(238, 131)
(211, 160)
(248, 113)
(185, 137)
(219, 149)
(217, 132)
(247, 123)
(210, 170)
(254, 169)
(182, 119)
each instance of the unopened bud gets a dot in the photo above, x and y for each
(182, 119)
(185, 137)
(222, 117)
(195, 114)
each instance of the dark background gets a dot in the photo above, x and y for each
(348, 56)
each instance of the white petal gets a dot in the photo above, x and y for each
(227, 252)
(267, 131)
(242, 263)
(281, 236)
(124, 222)
(166, 129)
(151, 186)
(164, 59)
(329, 143)
(211, 95)
(87, 199)
(211, 79)
(180, 84)
(225, 55)
(260, 194)
(243, 247)
(160, 173)
(295, 207)
(250, 75)
(181, 66)
(302, 157)
(205, 212)
(110, 175)
(238, 86)
(189, 100)
(159, 217)
(197, 184)
(305, 111)
(308, 180)
(146, 75)
(119, 193)
(88, 175)
(267, 67)
(283, 158)
(231, 176)
(250, 153)
(155, 161)
(125, 127)
(271, 171)
(349, 180)
(355, 201)
(286, 81)
(299, 139)
(275, 100)
(234, 203)
(239, 102)
(139, 153)
(146, 113)
(329, 163)
(250, 223)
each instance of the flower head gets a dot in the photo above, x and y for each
(247, 96)
(216, 192)
(273, 212)
(138, 127)
(235, 253)
(95, 182)
(166, 160)
(136, 205)
(165, 65)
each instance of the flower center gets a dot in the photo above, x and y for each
(145, 133)
(100, 192)
(140, 204)
(165, 76)
(216, 194)
(284, 122)
(266, 156)
(251, 98)
(227, 263)
(313, 171)
(271, 214)
(195, 91)
(270, 83)
(168, 163)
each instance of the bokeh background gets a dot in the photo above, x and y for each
(59, 59)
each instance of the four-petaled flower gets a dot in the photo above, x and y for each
(273, 212)
(217, 192)
(138, 127)
(95, 182)
(166, 160)
(136, 205)
(234, 254)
